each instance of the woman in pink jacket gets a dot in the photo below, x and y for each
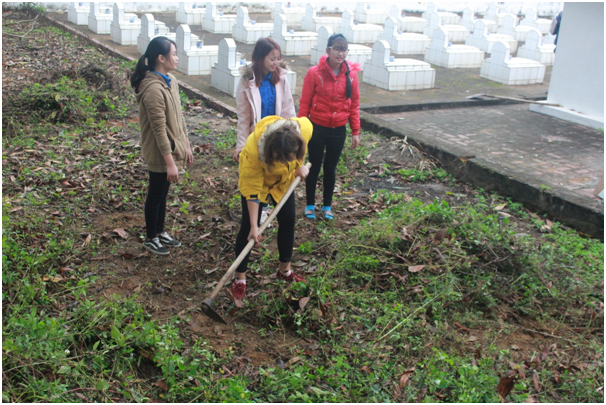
(262, 91)
(330, 98)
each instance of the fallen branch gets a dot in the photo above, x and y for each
(20, 22)
(408, 317)
(24, 35)
(535, 331)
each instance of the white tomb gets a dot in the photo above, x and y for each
(502, 68)
(388, 73)
(190, 13)
(100, 18)
(534, 49)
(150, 28)
(77, 13)
(225, 74)
(406, 23)
(294, 15)
(447, 18)
(509, 27)
(493, 14)
(443, 53)
(403, 43)
(125, 27)
(357, 53)
(456, 33)
(313, 21)
(357, 33)
(194, 57)
(468, 20)
(292, 42)
(481, 38)
(531, 19)
(249, 31)
(366, 13)
(215, 21)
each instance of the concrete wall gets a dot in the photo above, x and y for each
(577, 78)
(544, 9)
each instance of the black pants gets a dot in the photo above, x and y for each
(155, 204)
(286, 232)
(331, 139)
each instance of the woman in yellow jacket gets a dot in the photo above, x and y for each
(271, 158)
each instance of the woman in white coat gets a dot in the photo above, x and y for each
(262, 91)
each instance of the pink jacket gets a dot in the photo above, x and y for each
(248, 103)
(324, 99)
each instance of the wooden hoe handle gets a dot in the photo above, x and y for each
(251, 242)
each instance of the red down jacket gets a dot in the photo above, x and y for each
(324, 100)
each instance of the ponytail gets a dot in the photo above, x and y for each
(157, 46)
(139, 73)
(347, 80)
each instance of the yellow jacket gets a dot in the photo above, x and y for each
(256, 181)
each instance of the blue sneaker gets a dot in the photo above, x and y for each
(310, 212)
(327, 213)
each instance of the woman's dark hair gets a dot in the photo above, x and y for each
(339, 39)
(157, 46)
(282, 143)
(262, 48)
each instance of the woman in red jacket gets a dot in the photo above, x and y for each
(330, 98)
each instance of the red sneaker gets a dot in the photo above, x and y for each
(238, 290)
(292, 277)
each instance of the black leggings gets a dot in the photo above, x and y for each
(331, 139)
(155, 204)
(286, 232)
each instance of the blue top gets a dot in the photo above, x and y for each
(268, 96)
(166, 78)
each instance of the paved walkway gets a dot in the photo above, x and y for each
(545, 153)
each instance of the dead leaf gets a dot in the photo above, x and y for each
(461, 327)
(303, 302)
(439, 236)
(505, 386)
(121, 232)
(87, 240)
(81, 396)
(293, 361)
(161, 384)
(63, 270)
(472, 338)
(365, 368)
(499, 207)
(414, 269)
(129, 256)
(556, 377)
(405, 377)
(52, 279)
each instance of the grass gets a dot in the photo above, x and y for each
(418, 302)
(378, 310)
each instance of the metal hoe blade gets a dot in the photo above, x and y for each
(206, 308)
